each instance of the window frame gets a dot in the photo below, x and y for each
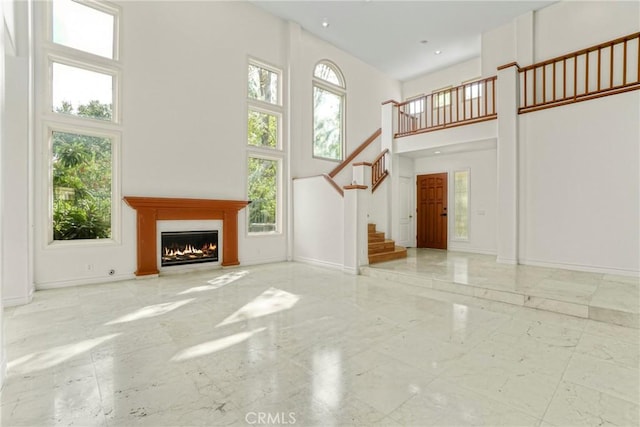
(277, 153)
(340, 91)
(454, 236)
(115, 137)
(48, 121)
(279, 190)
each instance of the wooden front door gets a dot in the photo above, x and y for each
(432, 211)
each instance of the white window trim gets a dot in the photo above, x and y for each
(278, 114)
(116, 191)
(340, 91)
(278, 154)
(47, 121)
(72, 62)
(273, 69)
(279, 190)
(453, 234)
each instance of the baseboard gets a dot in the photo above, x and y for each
(21, 300)
(258, 261)
(472, 250)
(319, 263)
(581, 267)
(351, 270)
(510, 261)
(84, 281)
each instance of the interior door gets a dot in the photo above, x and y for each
(405, 231)
(432, 211)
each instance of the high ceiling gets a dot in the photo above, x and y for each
(401, 38)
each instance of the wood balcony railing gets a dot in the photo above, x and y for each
(601, 70)
(379, 170)
(468, 103)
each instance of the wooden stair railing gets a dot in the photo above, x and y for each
(355, 153)
(605, 69)
(468, 103)
(379, 170)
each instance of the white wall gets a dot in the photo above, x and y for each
(2, 205)
(450, 76)
(17, 284)
(580, 185)
(482, 168)
(367, 88)
(318, 223)
(498, 48)
(568, 26)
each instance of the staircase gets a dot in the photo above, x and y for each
(382, 249)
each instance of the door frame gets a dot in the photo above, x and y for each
(415, 199)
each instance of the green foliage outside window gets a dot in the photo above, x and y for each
(327, 124)
(82, 180)
(263, 181)
(262, 129)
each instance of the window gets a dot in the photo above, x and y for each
(80, 59)
(82, 92)
(265, 155)
(263, 192)
(82, 183)
(415, 105)
(89, 28)
(263, 129)
(472, 91)
(328, 112)
(264, 84)
(461, 205)
(441, 97)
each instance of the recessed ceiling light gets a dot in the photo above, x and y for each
(437, 152)
(325, 23)
(438, 52)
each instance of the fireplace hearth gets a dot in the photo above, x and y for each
(188, 247)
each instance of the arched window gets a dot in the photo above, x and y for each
(329, 94)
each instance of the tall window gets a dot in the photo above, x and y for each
(461, 205)
(328, 111)
(82, 72)
(265, 153)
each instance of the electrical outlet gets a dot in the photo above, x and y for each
(89, 267)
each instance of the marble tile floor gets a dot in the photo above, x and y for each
(604, 297)
(294, 344)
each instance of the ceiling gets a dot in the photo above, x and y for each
(391, 35)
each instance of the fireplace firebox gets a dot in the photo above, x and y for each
(188, 247)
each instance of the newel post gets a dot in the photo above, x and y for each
(355, 227)
(507, 158)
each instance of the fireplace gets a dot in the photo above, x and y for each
(188, 247)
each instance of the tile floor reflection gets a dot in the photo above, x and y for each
(298, 344)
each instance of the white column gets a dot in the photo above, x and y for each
(388, 120)
(507, 100)
(355, 228)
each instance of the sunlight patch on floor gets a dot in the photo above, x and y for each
(217, 283)
(270, 301)
(214, 346)
(54, 356)
(150, 311)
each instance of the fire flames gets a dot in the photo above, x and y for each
(189, 252)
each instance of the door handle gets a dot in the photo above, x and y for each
(444, 214)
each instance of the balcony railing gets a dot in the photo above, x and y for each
(468, 103)
(604, 69)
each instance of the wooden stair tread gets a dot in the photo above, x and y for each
(397, 253)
